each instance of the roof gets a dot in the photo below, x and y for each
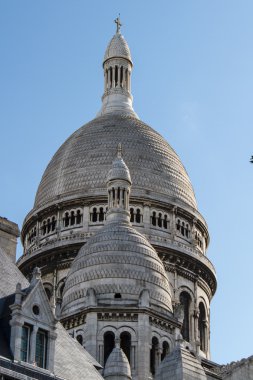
(118, 48)
(181, 364)
(79, 168)
(118, 259)
(71, 360)
(10, 275)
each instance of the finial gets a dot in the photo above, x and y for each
(117, 21)
(119, 150)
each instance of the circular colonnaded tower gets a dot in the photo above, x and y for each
(71, 206)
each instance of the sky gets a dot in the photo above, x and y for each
(192, 81)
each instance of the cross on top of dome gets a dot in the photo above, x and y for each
(117, 21)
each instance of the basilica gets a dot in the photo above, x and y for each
(114, 281)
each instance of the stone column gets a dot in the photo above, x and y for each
(33, 344)
(51, 351)
(91, 337)
(143, 355)
(146, 216)
(86, 218)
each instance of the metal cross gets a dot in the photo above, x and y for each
(117, 21)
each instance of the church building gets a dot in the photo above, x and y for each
(114, 281)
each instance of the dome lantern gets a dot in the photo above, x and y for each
(117, 76)
(118, 188)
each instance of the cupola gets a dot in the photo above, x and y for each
(117, 67)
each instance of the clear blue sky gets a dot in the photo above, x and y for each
(192, 81)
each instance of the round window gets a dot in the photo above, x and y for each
(36, 310)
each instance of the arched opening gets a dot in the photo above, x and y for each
(116, 76)
(48, 292)
(117, 295)
(178, 225)
(131, 215)
(185, 300)
(44, 228)
(109, 343)
(153, 219)
(78, 217)
(94, 215)
(187, 231)
(53, 223)
(182, 229)
(48, 226)
(101, 214)
(159, 222)
(166, 350)
(165, 222)
(125, 344)
(66, 219)
(79, 338)
(154, 353)
(138, 215)
(202, 326)
(72, 218)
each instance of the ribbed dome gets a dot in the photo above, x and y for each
(117, 260)
(117, 47)
(80, 166)
(119, 170)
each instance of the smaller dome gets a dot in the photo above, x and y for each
(117, 365)
(117, 48)
(119, 169)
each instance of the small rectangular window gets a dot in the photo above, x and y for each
(25, 343)
(41, 349)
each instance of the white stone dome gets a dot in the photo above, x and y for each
(117, 48)
(117, 260)
(79, 168)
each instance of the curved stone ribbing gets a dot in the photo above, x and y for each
(80, 166)
(116, 259)
(117, 47)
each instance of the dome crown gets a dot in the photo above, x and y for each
(119, 168)
(118, 47)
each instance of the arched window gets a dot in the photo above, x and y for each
(153, 218)
(48, 226)
(166, 350)
(109, 343)
(131, 215)
(185, 300)
(48, 292)
(72, 218)
(165, 222)
(53, 223)
(44, 228)
(202, 326)
(178, 225)
(116, 76)
(125, 344)
(159, 222)
(182, 229)
(154, 353)
(79, 338)
(101, 214)
(187, 231)
(138, 215)
(78, 217)
(94, 215)
(66, 219)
